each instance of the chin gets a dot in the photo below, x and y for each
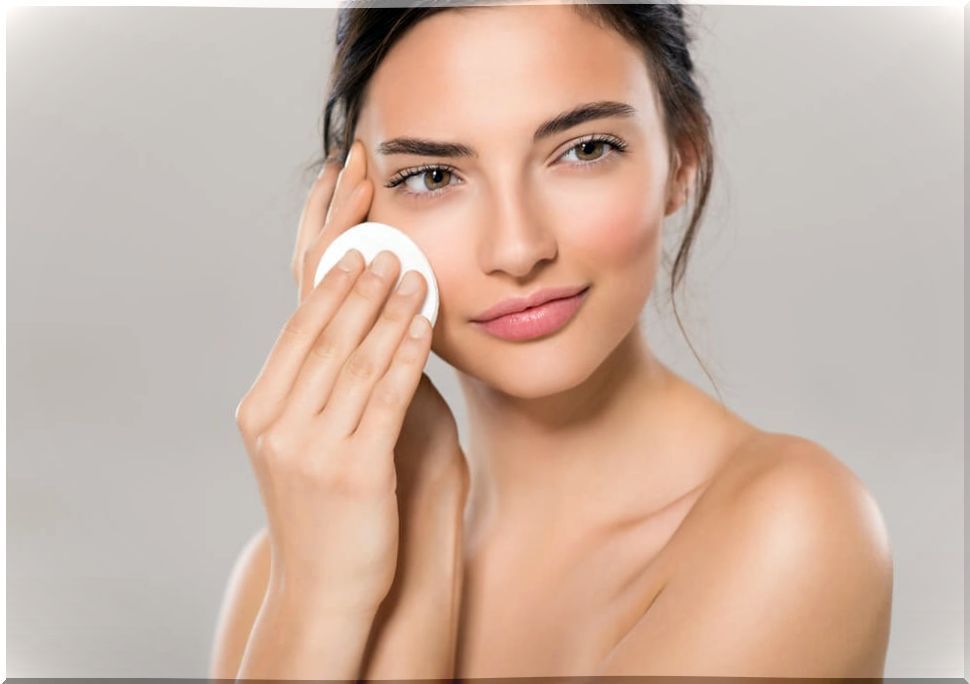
(537, 380)
(530, 370)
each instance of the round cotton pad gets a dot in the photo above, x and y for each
(371, 237)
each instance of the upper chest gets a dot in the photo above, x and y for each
(555, 606)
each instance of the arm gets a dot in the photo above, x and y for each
(796, 582)
(296, 638)
(415, 633)
(266, 633)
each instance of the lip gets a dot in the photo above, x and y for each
(517, 304)
(523, 322)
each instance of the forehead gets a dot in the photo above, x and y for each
(491, 68)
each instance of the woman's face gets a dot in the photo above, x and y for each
(520, 213)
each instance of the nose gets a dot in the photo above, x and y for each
(516, 239)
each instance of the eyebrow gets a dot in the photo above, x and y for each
(589, 111)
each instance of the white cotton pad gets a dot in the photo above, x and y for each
(371, 237)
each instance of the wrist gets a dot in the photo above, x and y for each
(293, 640)
(444, 473)
(431, 542)
(295, 597)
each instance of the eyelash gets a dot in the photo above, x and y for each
(618, 147)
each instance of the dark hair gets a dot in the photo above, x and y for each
(365, 33)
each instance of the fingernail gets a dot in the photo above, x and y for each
(347, 262)
(350, 154)
(409, 283)
(418, 326)
(383, 264)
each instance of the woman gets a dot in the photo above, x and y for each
(609, 518)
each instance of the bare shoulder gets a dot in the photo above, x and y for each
(787, 572)
(790, 496)
(775, 477)
(796, 486)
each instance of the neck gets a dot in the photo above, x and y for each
(560, 458)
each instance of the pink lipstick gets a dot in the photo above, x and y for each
(552, 310)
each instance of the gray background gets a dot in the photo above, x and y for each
(155, 179)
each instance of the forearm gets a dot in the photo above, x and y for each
(416, 629)
(293, 639)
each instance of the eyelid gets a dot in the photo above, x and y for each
(618, 144)
(619, 147)
(404, 174)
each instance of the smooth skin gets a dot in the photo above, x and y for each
(619, 521)
(343, 431)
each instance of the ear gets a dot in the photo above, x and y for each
(681, 179)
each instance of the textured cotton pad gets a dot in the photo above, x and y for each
(371, 237)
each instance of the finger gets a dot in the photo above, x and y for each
(313, 214)
(349, 206)
(354, 171)
(367, 363)
(341, 336)
(354, 211)
(380, 424)
(266, 398)
(324, 191)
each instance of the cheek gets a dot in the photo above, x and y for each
(615, 226)
(447, 250)
(433, 232)
(448, 257)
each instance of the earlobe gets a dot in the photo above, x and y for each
(681, 180)
(676, 197)
(674, 189)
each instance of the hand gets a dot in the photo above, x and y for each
(428, 447)
(322, 419)
(432, 486)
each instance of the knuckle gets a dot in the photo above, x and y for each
(396, 311)
(314, 469)
(243, 414)
(409, 353)
(360, 366)
(387, 396)
(326, 348)
(273, 445)
(370, 286)
(296, 329)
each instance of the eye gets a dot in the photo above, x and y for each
(432, 179)
(588, 149)
(429, 176)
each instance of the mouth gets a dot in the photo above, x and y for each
(526, 322)
(517, 304)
